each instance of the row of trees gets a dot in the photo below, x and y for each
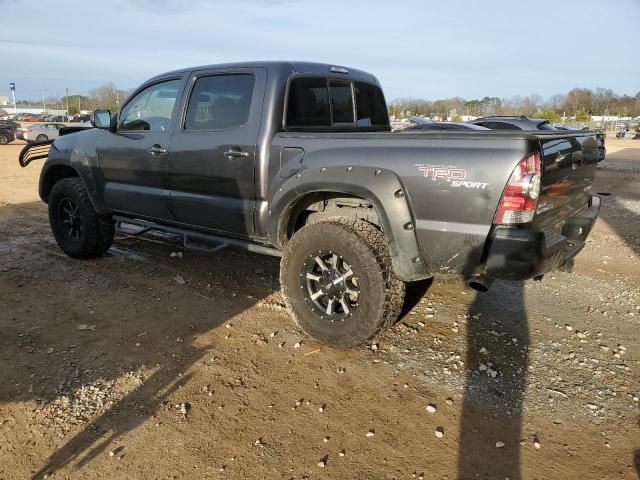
(105, 96)
(579, 103)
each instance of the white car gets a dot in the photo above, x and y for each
(39, 132)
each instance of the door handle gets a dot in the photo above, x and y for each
(236, 154)
(157, 150)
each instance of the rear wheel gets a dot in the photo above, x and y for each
(41, 138)
(79, 230)
(337, 280)
(4, 139)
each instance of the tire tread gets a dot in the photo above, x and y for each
(99, 229)
(375, 241)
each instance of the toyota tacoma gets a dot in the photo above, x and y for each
(298, 160)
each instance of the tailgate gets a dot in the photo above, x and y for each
(569, 163)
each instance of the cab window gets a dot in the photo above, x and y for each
(151, 109)
(219, 102)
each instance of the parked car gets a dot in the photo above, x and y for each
(297, 160)
(41, 132)
(57, 118)
(6, 134)
(33, 117)
(443, 126)
(80, 118)
(416, 120)
(505, 122)
(10, 124)
(22, 117)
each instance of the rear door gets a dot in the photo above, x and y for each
(212, 158)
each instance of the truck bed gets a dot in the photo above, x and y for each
(454, 180)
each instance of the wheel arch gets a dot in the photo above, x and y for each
(313, 206)
(378, 188)
(54, 172)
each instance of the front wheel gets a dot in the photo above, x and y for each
(4, 139)
(79, 230)
(41, 138)
(338, 283)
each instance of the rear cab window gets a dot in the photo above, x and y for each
(330, 104)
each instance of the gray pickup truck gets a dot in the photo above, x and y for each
(297, 160)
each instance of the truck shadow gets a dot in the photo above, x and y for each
(619, 187)
(143, 317)
(491, 426)
(496, 376)
(154, 393)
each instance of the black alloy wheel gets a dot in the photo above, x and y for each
(70, 219)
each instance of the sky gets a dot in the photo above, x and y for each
(423, 49)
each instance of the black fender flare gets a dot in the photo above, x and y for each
(80, 164)
(379, 186)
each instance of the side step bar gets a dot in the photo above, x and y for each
(190, 238)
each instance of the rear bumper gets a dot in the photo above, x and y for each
(519, 254)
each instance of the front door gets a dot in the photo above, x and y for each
(133, 160)
(212, 158)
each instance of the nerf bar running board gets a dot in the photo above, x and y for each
(186, 235)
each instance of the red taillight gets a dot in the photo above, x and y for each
(520, 197)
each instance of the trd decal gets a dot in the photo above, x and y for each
(454, 176)
(445, 173)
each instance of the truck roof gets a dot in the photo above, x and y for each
(287, 67)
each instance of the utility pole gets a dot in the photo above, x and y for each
(44, 105)
(67, 90)
(12, 87)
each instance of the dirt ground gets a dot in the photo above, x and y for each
(113, 368)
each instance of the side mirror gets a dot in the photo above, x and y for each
(101, 119)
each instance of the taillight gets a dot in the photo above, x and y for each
(520, 197)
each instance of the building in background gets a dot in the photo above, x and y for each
(4, 101)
